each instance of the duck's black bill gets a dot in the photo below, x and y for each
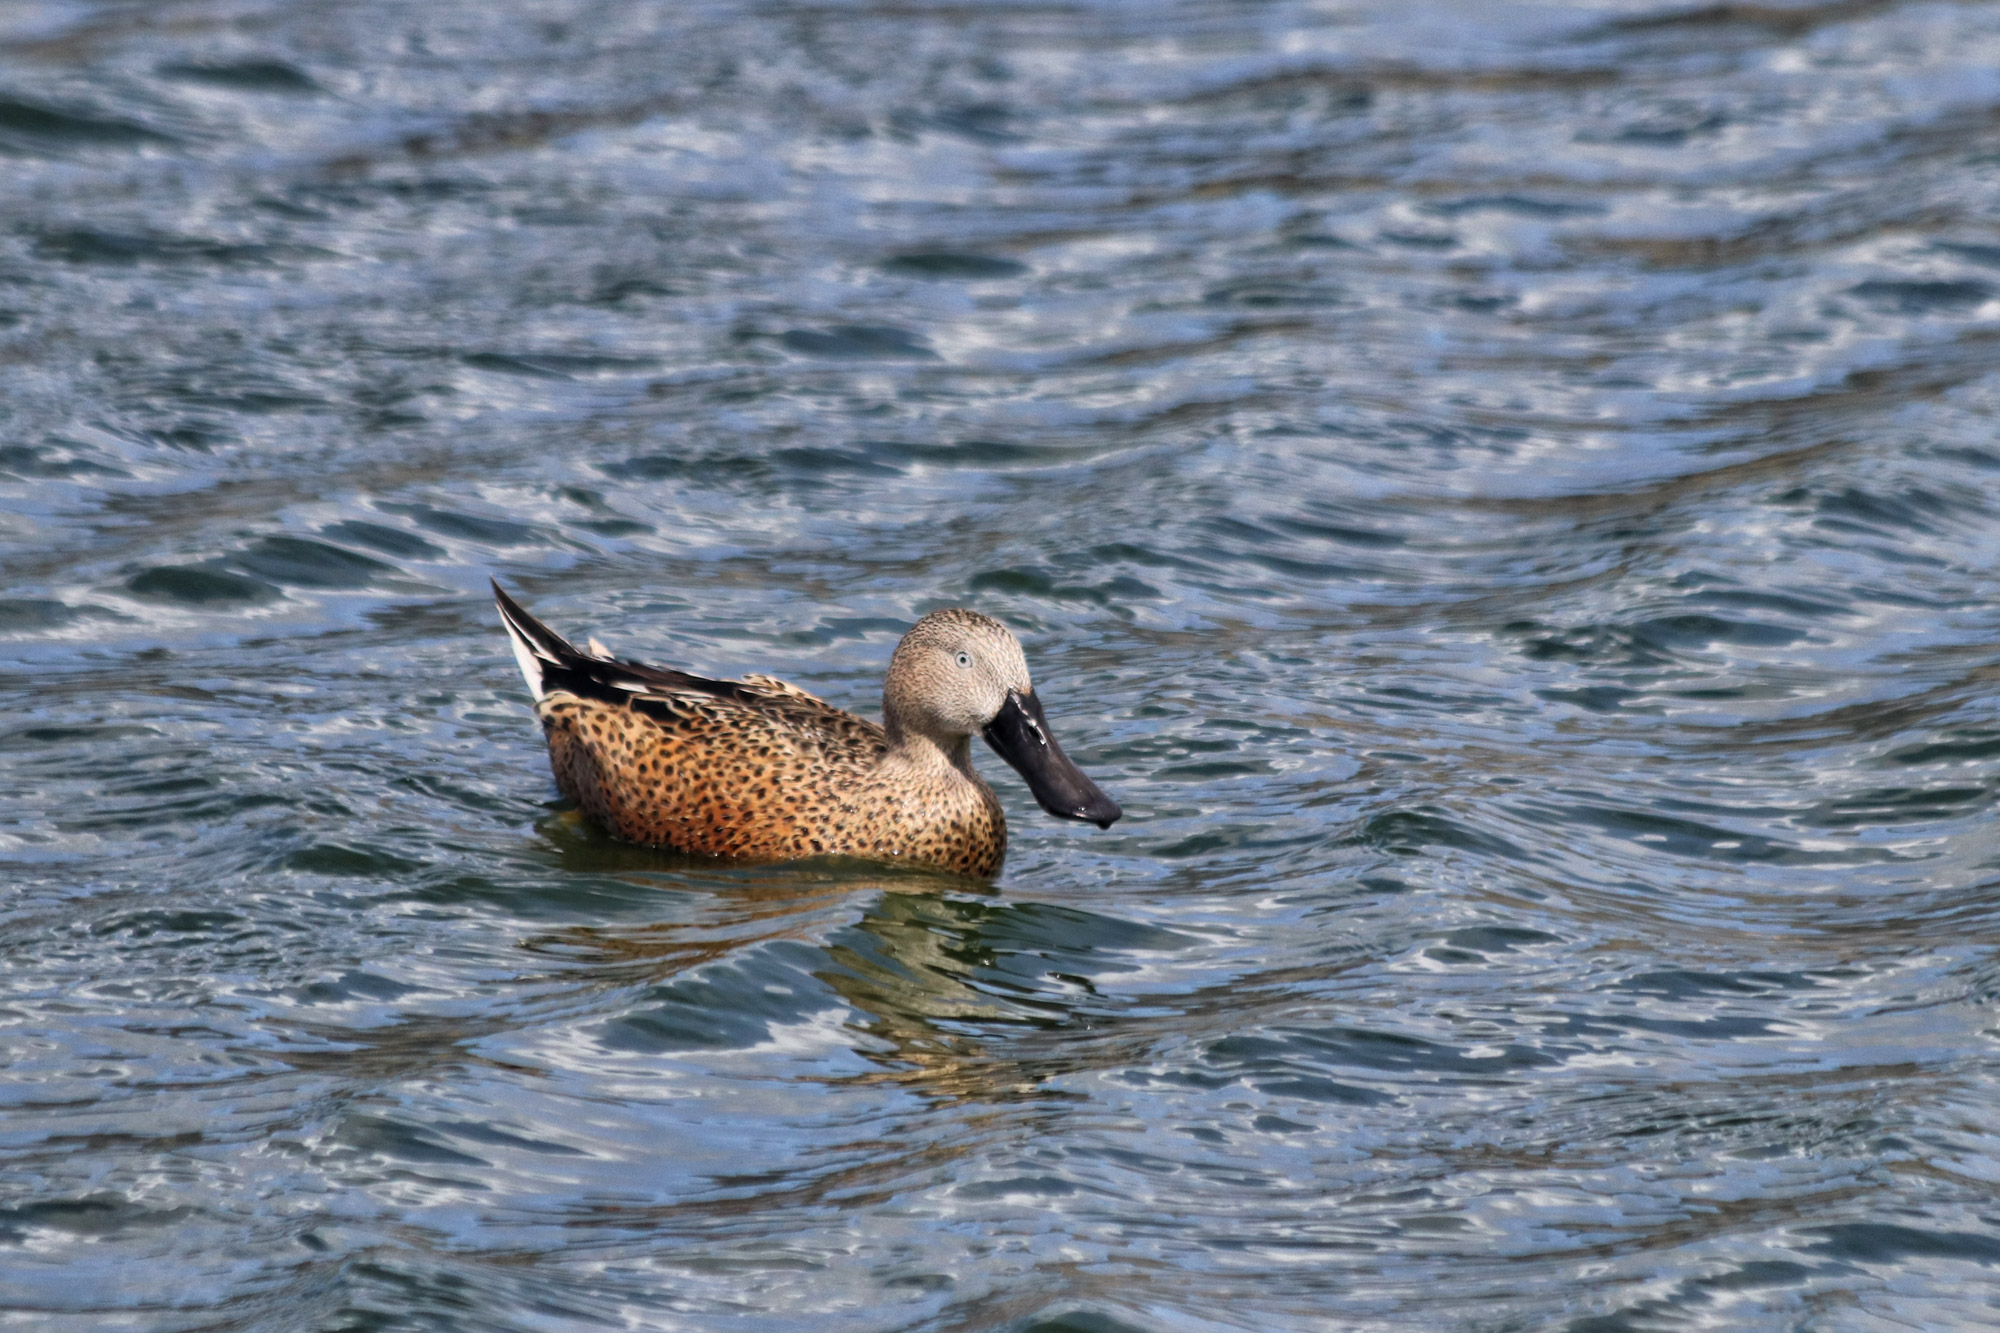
(1021, 736)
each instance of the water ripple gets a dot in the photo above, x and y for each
(1505, 498)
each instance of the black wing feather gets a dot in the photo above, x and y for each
(565, 667)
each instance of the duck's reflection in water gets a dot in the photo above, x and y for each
(955, 992)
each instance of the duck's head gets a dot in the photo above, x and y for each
(957, 673)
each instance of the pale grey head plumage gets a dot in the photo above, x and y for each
(950, 676)
(958, 672)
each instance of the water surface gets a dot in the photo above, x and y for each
(1507, 497)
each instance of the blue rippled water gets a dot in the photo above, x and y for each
(1507, 497)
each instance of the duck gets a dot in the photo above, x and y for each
(759, 770)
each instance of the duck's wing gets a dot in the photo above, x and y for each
(551, 664)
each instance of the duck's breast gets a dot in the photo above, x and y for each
(950, 821)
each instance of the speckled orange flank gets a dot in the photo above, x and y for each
(769, 775)
(753, 769)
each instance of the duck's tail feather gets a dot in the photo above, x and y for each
(550, 662)
(537, 648)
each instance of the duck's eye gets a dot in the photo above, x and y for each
(964, 660)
